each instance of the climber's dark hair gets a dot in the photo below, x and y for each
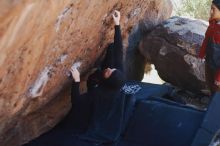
(216, 3)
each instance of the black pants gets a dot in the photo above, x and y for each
(210, 79)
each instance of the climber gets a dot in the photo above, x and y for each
(106, 105)
(210, 49)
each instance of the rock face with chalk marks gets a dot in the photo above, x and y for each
(40, 40)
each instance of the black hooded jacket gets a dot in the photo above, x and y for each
(108, 106)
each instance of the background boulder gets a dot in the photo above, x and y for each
(173, 47)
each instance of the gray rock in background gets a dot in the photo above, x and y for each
(173, 47)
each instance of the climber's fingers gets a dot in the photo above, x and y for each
(116, 16)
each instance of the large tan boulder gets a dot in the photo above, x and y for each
(39, 41)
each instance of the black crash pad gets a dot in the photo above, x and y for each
(159, 122)
(154, 122)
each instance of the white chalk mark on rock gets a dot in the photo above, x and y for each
(76, 65)
(198, 66)
(135, 12)
(62, 58)
(38, 87)
(61, 17)
(163, 51)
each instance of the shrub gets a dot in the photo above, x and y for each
(198, 9)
